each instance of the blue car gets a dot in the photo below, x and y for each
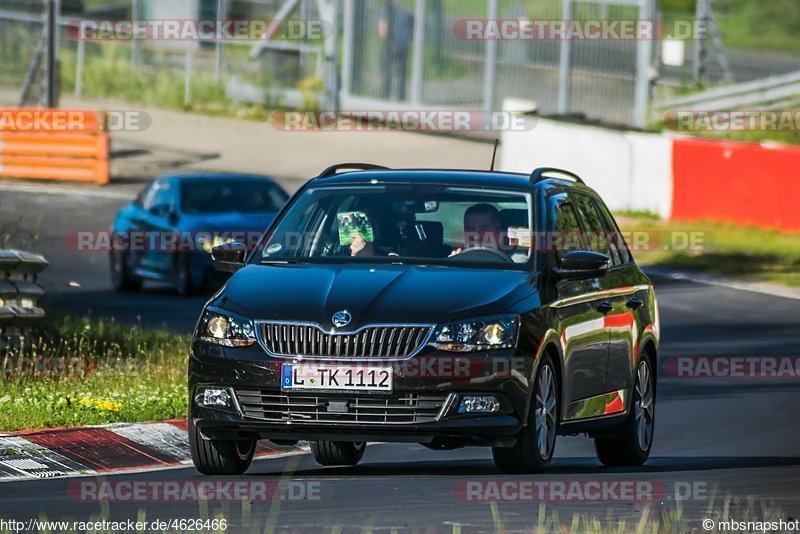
(167, 233)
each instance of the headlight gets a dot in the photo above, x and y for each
(208, 242)
(474, 335)
(226, 330)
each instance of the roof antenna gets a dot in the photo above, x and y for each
(494, 154)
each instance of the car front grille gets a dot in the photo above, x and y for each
(311, 341)
(360, 409)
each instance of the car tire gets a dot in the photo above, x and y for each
(632, 445)
(346, 453)
(184, 284)
(121, 278)
(536, 442)
(220, 457)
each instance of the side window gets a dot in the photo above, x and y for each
(160, 193)
(566, 235)
(616, 239)
(595, 228)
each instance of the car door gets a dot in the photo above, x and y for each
(618, 286)
(577, 305)
(159, 205)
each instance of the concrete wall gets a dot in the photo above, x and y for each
(632, 171)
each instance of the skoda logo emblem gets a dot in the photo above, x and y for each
(341, 319)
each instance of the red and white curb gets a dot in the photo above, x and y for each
(65, 452)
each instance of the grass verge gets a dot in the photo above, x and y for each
(133, 375)
(743, 252)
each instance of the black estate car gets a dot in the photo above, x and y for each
(446, 308)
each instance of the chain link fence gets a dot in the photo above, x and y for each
(411, 53)
(167, 73)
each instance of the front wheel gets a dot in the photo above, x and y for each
(220, 457)
(121, 278)
(633, 443)
(536, 442)
(347, 453)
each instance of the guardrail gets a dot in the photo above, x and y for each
(19, 296)
(54, 145)
(775, 92)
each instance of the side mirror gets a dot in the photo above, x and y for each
(229, 257)
(582, 264)
(162, 210)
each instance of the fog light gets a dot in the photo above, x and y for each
(218, 397)
(479, 404)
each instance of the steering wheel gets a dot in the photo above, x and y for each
(487, 253)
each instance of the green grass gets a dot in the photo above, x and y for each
(743, 252)
(139, 375)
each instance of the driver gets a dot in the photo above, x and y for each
(483, 228)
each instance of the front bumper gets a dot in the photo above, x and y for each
(422, 408)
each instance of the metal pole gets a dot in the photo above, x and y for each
(565, 64)
(136, 10)
(419, 52)
(700, 52)
(52, 82)
(490, 68)
(644, 56)
(187, 88)
(347, 48)
(79, 66)
(222, 12)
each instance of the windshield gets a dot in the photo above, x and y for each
(229, 196)
(404, 223)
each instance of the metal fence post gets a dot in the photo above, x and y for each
(565, 64)
(79, 65)
(222, 11)
(419, 52)
(136, 10)
(644, 57)
(187, 89)
(490, 68)
(52, 68)
(347, 48)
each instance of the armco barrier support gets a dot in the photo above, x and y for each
(53, 144)
(19, 296)
(742, 183)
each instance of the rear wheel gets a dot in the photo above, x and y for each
(220, 457)
(338, 452)
(632, 445)
(184, 284)
(536, 442)
(121, 278)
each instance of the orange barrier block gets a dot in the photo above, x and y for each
(742, 183)
(53, 144)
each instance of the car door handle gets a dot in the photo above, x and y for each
(605, 308)
(634, 304)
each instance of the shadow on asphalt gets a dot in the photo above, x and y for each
(564, 466)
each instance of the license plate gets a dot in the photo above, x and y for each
(311, 377)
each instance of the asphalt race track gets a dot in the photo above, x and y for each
(716, 439)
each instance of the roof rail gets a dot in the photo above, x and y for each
(539, 175)
(333, 170)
